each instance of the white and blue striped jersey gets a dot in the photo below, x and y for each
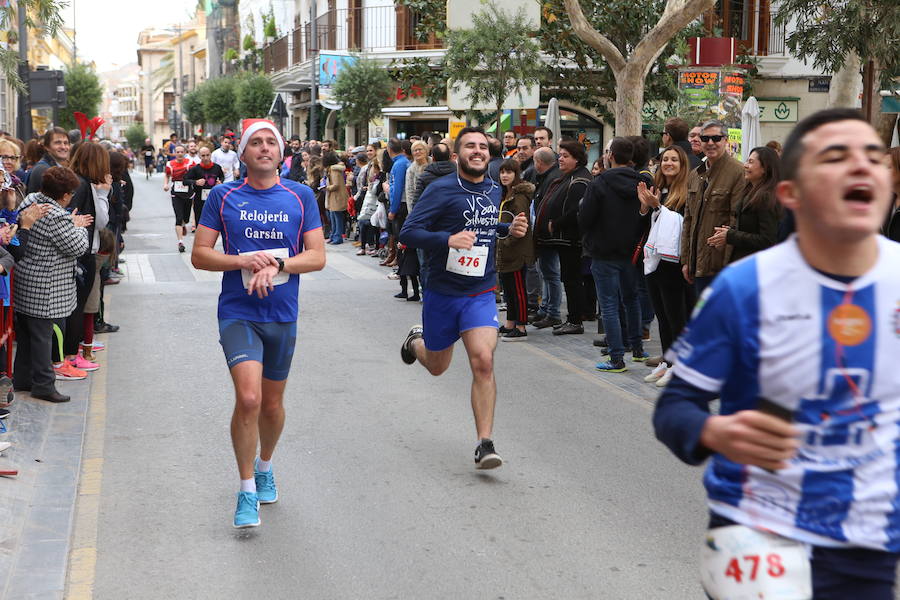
(770, 326)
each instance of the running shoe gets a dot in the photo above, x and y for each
(406, 353)
(265, 486)
(97, 346)
(486, 457)
(656, 373)
(639, 356)
(514, 335)
(401, 295)
(503, 330)
(180, 247)
(612, 367)
(546, 322)
(665, 379)
(568, 328)
(67, 372)
(247, 512)
(4, 412)
(80, 362)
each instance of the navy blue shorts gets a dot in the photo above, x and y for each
(271, 344)
(444, 318)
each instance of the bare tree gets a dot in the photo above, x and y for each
(631, 72)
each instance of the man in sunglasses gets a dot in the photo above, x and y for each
(713, 189)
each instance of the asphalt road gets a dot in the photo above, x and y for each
(378, 495)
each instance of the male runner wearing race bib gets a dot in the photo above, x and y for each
(456, 222)
(271, 233)
(801, 343)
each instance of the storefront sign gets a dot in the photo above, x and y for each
(778, 110)
(455, 128)
(820, 84)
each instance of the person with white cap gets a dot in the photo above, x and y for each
(271, 232)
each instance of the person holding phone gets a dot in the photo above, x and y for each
(799, 342)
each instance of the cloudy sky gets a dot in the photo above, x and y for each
(106, 32)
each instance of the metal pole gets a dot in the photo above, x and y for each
(313, 132)
(23, 122)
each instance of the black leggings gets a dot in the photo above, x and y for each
(412, 279)
(573, 283)
(672, 299)
(74, 329)
(513, 284)
(182, 207)
(198, 208)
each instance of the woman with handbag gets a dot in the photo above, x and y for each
(671, 295)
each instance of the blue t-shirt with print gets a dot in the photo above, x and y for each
(251, 220)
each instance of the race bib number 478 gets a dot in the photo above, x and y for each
(741, 563)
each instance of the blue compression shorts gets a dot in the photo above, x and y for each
(444, 318)
(271, 344)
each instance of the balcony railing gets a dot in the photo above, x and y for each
(771, 36)
(371, 29)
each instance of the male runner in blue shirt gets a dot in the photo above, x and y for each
(271, 233)
(801, 342)
(456, 222)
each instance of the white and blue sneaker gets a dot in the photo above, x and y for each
(265, 486)
(247, 512)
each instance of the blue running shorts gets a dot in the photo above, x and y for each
(444, 318)
(271, 344)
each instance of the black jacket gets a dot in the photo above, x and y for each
(297, 173)
(541, 182)
(433, 171)
(83, 200)
(755, 229)
(610, 215)
(560, 208)
(36, 176)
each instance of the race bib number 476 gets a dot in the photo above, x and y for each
(468, 262)
(741, 563)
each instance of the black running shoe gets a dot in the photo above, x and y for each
(486, 457)
(514, 335)
(406, 352)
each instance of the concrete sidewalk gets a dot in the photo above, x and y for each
(38, 506)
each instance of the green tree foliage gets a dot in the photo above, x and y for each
(254, 95)
(41, 16)
(83, 94)
(219, 101)
(432, 17)
(135, 135)
(192, 105)
(826, 31)
(362, 89)
(495, 59)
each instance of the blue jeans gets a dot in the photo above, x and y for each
(336, 218)
(615, 279)
(548, 261)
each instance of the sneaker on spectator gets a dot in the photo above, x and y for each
(546, 322)
(656, 373)
(104, 327)
(4, 412)
(639, 356)
(600, 341)
(5, 446)
(80, 362)
(612, 367)
(568, 328)
(97, 346)
(68, 372)
(665, 379)
(514, 335)
(653, 361)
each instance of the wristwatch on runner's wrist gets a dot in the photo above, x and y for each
(280, 262)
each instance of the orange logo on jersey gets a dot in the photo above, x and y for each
(849, 325)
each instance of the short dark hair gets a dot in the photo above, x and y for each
(576, 149)
(512, 165)
(52, 133)
(622, 150)
(677, 128)
(547, 129)
(465, 131)
(793, 146)
(640, 156)
(407, 147)
(495, 148)
(59, 181)
(395, 146)
(330, 158)
(440, 152)
(529, 138)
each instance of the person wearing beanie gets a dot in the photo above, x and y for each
(271, 232)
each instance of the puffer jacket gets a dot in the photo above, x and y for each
(713, 195)
(373, 195)
(336, 193)
(514, 253)
(560, 207)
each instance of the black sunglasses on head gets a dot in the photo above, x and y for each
(712, 138)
